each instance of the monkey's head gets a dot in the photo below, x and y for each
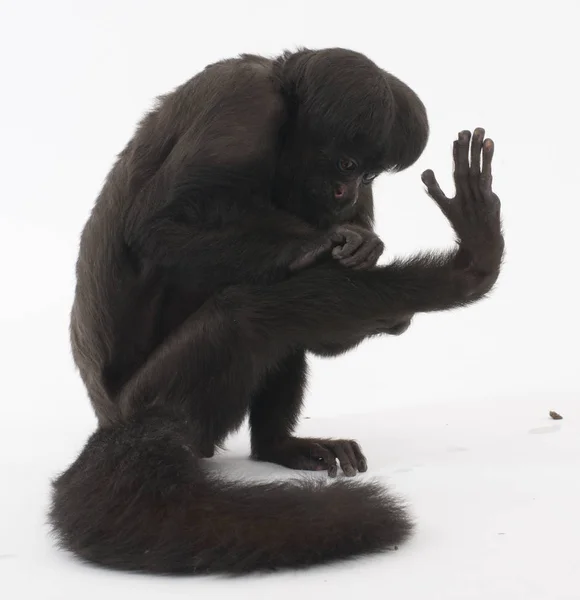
(350, 121)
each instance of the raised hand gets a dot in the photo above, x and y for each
(474, 211)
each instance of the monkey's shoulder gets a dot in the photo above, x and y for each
(235, 109)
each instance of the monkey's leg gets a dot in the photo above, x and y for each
(211, 365)
(210, 368)
(274, 413)
(204, 372)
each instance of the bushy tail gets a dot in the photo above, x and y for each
(136, 499)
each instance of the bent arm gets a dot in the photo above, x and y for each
(203, 209)
(253, 248)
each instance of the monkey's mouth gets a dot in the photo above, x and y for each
(344, 200)
(344, 195)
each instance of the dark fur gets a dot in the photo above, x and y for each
(189, 314)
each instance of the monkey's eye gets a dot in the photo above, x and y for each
(368, 178)
(346, 164)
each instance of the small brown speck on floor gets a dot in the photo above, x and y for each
(555, 415)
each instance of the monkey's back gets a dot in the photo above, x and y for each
(108, 290)
(119, 298)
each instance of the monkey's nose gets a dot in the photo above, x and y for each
(340, 190)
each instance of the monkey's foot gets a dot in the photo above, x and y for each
(314, 454)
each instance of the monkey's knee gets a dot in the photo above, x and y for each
(240, 309)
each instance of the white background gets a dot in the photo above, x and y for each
(453, 415)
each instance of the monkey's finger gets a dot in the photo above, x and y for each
(348, 467)
(370, 256)
(310, 255)
(461, 152)
(433, 189)
(486, 175)
(326, 459)
(337, 251)
(351, 261)
(354, 241)
(351, 455)
(362, 252)
(475, 166)
(306, 260)
(371, 260)
(360, 457)
(333, 469)
(476, 145)
(461, 171)
(301, 263)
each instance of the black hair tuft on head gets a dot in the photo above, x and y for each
(343, 95)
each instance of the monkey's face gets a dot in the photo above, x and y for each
(348, 180)
(335, 184)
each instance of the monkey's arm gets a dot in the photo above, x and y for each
(215, 225)
(356, 302)
(256, 246)
(198, 216)
(199, 203)
(441, 281)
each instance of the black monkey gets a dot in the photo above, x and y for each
(232, 236)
